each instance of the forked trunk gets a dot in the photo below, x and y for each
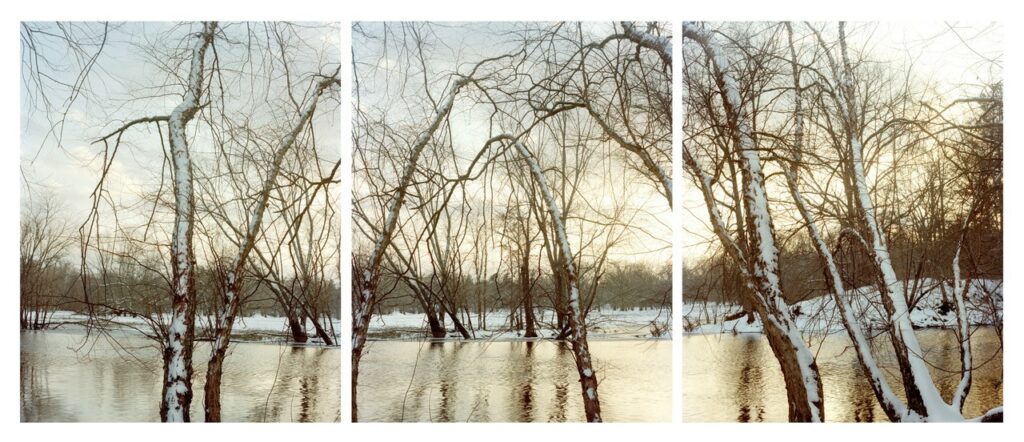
(326, 336)
(437, 330)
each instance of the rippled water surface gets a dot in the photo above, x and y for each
(109, 380)
(505, 381)
(729, 378)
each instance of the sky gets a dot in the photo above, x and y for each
(132, 78)
(70, 171)
(931, 51)
(458, 46)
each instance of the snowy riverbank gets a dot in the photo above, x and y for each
(820, 314)
(601, 324)
(254, 328)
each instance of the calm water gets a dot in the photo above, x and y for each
(403, 381)
(108, 381)
(729, 378)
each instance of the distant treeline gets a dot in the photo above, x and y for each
(624, 286)
(132, 291)
(464, 305)
(924, 253)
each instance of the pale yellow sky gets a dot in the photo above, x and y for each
(460, 45)
(929, 50)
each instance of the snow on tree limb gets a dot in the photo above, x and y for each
(232, 283)
(577, 321)
(371, 273)
(178, 353)
(917, 379)
(366, 278)
(661, 45)
(799, 368)
(963, 324)
(894, 408)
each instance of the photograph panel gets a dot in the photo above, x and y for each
(512, 224)
(844, 222)
(180, 241)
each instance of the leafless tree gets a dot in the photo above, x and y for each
(843, 133)
(45, 241)
(558, 104)
(249, 93)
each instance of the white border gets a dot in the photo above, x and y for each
(348, 89)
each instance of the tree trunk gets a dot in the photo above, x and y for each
(221, 340)
(454, 316)
(214, 370)
(233, 279)
(436, 326)
(922, 395)
(357, 354)
(366, 280)
(894, 409)
(761, 263)
(437, 330)
(527, 296)
(561, 319)
(177, 386)
(321, 332)
(297, 326)
(577, 323)
(805, 402)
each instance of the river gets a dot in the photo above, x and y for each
(65, 378)
(512, 381)
(730, 378)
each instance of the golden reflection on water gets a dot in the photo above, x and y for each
(261, 383)
(735, 378)
(502, 381)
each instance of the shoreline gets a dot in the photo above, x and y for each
(819, 315)
(498, 338)
(249, 336)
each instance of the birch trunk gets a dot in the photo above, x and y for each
(177, 386)
(366, 280)
(233, 281)
(922, 396)
(800, 371)
(576, 321)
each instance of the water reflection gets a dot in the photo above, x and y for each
(118, 380)
(559, 402)
(729, 378)
(748, 389)
(524, 364)
(405, 381)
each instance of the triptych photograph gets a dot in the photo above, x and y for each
(623, 221)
